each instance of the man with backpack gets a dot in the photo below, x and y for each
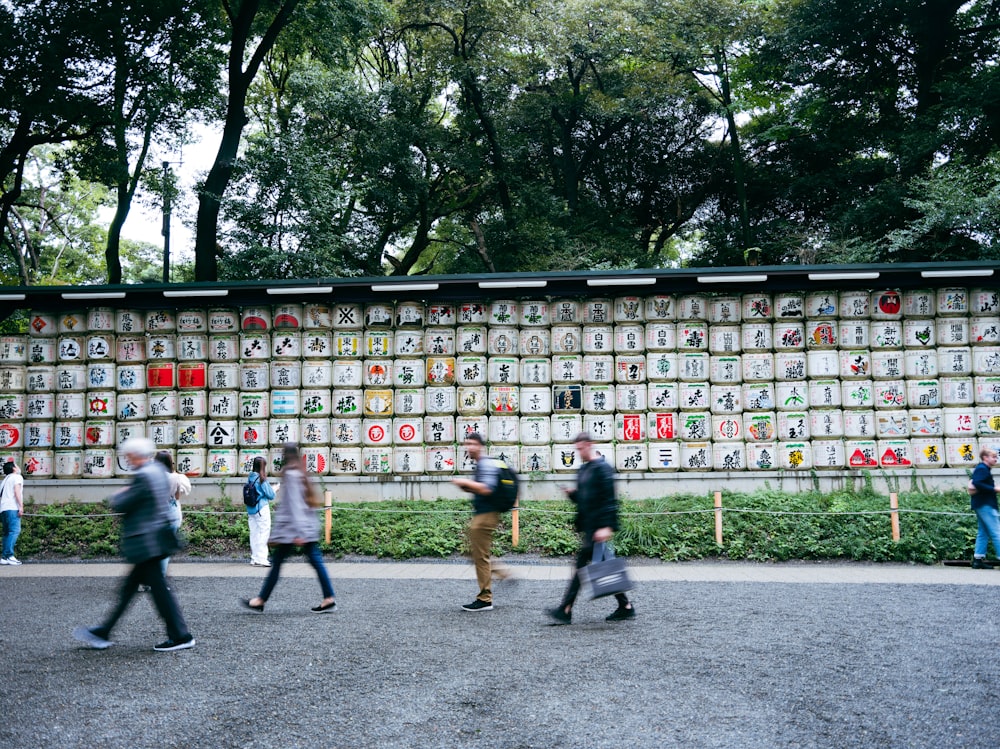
(494, 490)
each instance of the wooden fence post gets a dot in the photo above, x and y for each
(718, 518)
(515, 524)
(328, 521)
(894, 515)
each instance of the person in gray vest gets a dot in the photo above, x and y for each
(147, 537)
(596, 520)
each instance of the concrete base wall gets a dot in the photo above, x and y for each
(630, 485)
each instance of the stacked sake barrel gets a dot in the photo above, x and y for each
(758, 382)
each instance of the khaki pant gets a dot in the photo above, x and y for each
(480, 535)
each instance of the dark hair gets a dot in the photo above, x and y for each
(166, 459)
(583, 437)
(474, 437)
(258, 464)
(8, 468)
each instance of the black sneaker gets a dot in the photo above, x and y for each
(478, 605)
(620, 614)
(560, 615)
(980, 563)
(182, 644)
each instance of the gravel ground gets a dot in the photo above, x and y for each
(742, 665)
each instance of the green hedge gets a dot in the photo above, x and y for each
(650, 528)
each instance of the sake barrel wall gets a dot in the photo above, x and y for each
(756, 383)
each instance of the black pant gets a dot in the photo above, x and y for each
(584, 557)
(149, 573)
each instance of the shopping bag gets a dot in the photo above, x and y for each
(606, 574)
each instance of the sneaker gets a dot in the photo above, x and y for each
(13, 560)
(980, 563)
(182, 644)
(324, 609)
(91, 638)
(560, 615)
(4, 561)
(260, 564)
(620, 614)
(478, 605)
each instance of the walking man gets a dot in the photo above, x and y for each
(984, 504)
(485, 519)
(596, 520)
(146, 539)
(11, 510)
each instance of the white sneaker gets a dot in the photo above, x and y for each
(12, 560)
(4, 561)
(88, 637)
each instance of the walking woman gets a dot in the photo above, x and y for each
(180, 485)
(259, 515)
(295, 524)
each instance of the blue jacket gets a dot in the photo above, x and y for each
(986, 493)
(265, 493)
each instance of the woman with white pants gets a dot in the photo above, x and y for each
(259, 515)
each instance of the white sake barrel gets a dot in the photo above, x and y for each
(409, 402)
(191, 321)
(506, 399)
(565, 339)
(663, 426)
(13, 378)
(918, 303)
(890, 394)
(282, 431)
(692, 336)
(71, 377)
(861, 454)
(599, 426)
(757, 306)
(223, 347)
(918, 333)
(923, 393)
(162, 404)
(788, 336)
(124, 431)
(286, 345)
(565, 427)
(919, 363)
(886, 334)
(793, 425)
(71, 349)
(405, 373)
(464, 426)
(726, 399)
(693, 367)
(597, 339)
(952, 302)
(692, 307)
(825, 394)
(380, 314)
(160, 321)
(319, 344)
(376, 373)
(68, 464)
(953, 331)
(347, 343)
(255, 376)
(252, 433)
(729, 456)
(287, 317)
(957, 391)
(855, 364)
(888, 365)
(789, 306)
(987, 422)
(630, 457)
(631, 397)
(70, 406)
(724, 310)
(223, 320)
(68, 434)
(42, 324)
(503, 430)
(599, 398)
(320, 317)
(440, 400)
(440, 370)
(696, 456)
(407, 460)
(472, 400)
(441, 314)
(536, 460)
(928, 453)
(598, 312)
(13, 406)
(503, 312)
(757, 367)
(664, 456)
(72, 322)
(660, 307)
(376, 432)
(982, 331)
(192, 347)
(283, 404)
(13, 350)
(40, 379)
(694, 396)
(886, 305)
(598, 369)
(224, 376)
(828, 454)
(349, 373)
(629, 339)
(727, 427)
(472, 339)
(821, 364)
(503, 342)
(99, 433)
(192, 432)
(533, 313)
(926, 422)
(984, 301)
(821, 304)
(476, 313)
(660, 336)
(534, 342)
(961, 453)
(439, 429)
(132, 407)
(161, 375)
(826, 424)
(791, 396)
(854, 334)
(534, 430)
(345, 461)
(163, 347)
(410, 431)
(662, 396)
(130, 350)
(318, 374)
(895, 454)
(439, 341)
(39, 464)
(758, 396)
(43, 350)
(100, 404)
(40, 406)
(408, 314)
(987, 390)
(378, 403)
(661, 366)
(163, 432)
(222, 462)
(755, 337)
(986, 360)
(789, 366)
(725, 370)
(892, 424)
(629, 369)
(854, 305)
(629, 309)
(255, 346)
(255, 319)
(954, 362)
(725, 339)
(101, 319)
(222, 433)
(795, 456)
(439, 460)
(537, 371)
(821, 334)
(630, 427)
(191, 462)
(345, 431)
(192, 375)
(98, 463)
(959, 422)
(316, 402)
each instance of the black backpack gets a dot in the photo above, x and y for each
(505, 497)
(250, 493)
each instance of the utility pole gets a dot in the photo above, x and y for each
(165, 231)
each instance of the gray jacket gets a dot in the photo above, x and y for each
(293, 519)
(146, 504)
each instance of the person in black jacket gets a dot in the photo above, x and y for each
(984, 504)
(596, 520)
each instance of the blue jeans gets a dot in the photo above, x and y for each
(315, 557)
(989, 528)
(11, 530)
